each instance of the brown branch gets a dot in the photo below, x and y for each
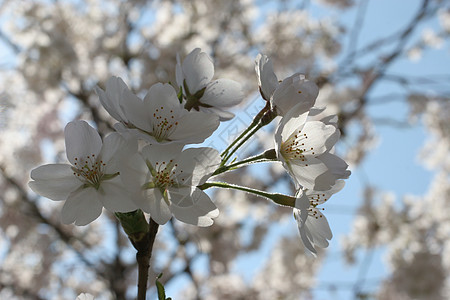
(69, 240)
(144, 249)
(377, 71)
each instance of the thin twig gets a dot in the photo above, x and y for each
(144, 249)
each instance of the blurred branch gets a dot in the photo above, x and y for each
(83, 97)
(362, 273)
(356, 29)
(20, 291)
(187, 260)
(69, 240)
(375, 72)
(399, 37)
(14, 47)
(391, 122)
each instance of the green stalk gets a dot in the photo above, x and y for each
(280, 199)
(255, 122)
(269, 155)
(265, 119)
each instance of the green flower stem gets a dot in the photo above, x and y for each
(280, 199)
(265, 119)
(142, 236)
(242, 142)
(255, 122)
(269, 155)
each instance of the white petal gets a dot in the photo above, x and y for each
(111, 104)
(135, 110)
(319, 226)
(133, 172)
(323, 196)
(130, 133)
(159, 154)
(303, 231)
(290, 124)
(314, 111)
(164, 95)
(223, 93)
(54, 181)
(81, 207)
(198, 70)
(336, 169)
(193, 206)
(179, 72)
(302, 203)
(85, 296)
(157, 208)
(222, 114)
(112, 99)
(195, 127)
(197, 165)
(317, 134)
(115, 197)
(267, 80)
(114, 148)
(292, 91)
(81, 141)
(306, 175)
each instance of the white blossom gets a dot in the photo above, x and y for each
(304, 149)
(85, 296)
(91, 182)
(312, 224)
(167, 181)
(159, 118)
(284, 95)
(194, 77)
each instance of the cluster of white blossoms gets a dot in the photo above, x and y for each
(149, 163)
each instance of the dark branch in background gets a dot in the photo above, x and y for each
(30, 208)
(117, 269)
(356, 29)
(362, 273)
(20, 291)
(422, 13)
(15, 48)
(83, 97)
(375, 72)
(180, 252)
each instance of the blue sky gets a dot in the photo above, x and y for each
(392, 166)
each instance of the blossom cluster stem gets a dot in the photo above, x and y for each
(269, 155)
(280, 199)
(142, 236)
(266, 118)
(143, 256)
(254, 123)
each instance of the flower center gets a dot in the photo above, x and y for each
(163, 123)
(314, 200)
(164, 176)
(89, 170)
(294, 148)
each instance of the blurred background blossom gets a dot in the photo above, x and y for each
(382, 67)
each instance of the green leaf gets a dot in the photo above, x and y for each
(180, 95)
(160, 288)
(134, 224)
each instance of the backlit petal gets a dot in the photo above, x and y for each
(223, 93)
(198, 70)
(193, 206)
(197, 164)
(81, 141)
(81, 207)
(54, 181)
